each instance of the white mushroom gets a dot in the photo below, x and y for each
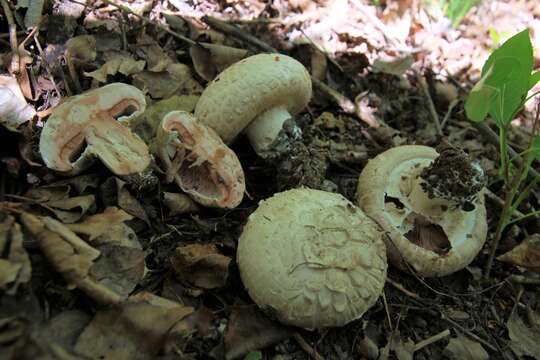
(85, 127)
(426, 223)
(312, 259)
(259, 93)
(199, 162)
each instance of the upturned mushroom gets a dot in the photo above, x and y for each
(198, 161)
(312, 259)
(257, 94)
(430, 204)
(85, 127)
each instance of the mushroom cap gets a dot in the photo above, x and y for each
(250, 87)
(208, 170)
(312, 259)
(388, 180)
(89, 120)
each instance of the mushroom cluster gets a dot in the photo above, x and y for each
(430, 204)
(312, 259)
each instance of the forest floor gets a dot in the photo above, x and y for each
(154, 275)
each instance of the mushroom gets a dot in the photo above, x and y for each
(430, 204)
(259, 93)
(85, 127)
(312, 259)
(198, 161)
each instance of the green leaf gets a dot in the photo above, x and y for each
(535, 148)
(535, 78)
(254, 355)
(487, 94)
(514, 88)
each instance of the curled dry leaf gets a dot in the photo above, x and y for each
(526, 254)
(15, 266)
(124, 65)
(198, 161)
(147, 48)
(97, 225)
(524, 334)
(176, 79)
(69, 255)
(115, 193)
(201, 266)
(82, 48)
(394, 66)
(179, 203)
(463, 348)
(135, 330)
(249, 330)
(211, 59)
(14, 110)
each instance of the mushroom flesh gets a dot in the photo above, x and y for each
(257, 94)
(198, 161)
(312, 259)
(86, 126)
(430, 204)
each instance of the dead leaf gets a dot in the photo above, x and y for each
(201, 266)
(211, 59)
(393, 66)
(134, 330)
(524, 335)
(97, 225)
(463, 348)
(125, 65)
(319, 63)
(15, 266)
(403, 349)
(249, 330)
(115, 193)
(147, 48)
(179, 203)
(14, 108)
(64, 328)
(82, 48)
(526, 254)
(69, 255)
(177, 80)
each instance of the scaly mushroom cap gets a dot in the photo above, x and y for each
(250, 87)
(85, 126)
(199, 162)
(312, 259)
(433, 236)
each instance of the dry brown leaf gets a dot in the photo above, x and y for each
(179, 203)
(248, 330)
(115, 193)
(177, 80)
(148, 49)
(15, 266)
(393, 66)
(319, 63)
(524, 334)
(526, 254)
(201, 266)
(211, 59)
(123, 65)
(14, 109)
(96, 225)
(463, 348)
(134, 330)
(82, 48)
(69, 255)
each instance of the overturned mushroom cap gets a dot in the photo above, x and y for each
(433, 235)
(199, 162)
(312, 259)
(85, 127)
(262, 90)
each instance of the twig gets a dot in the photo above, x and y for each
(387, 310)
(431, 105)
(500, 202)
(431, 340)
(402, 289)
(47, 67)
(306, 347)
(469, 333)
(15, 60)
(449, 112)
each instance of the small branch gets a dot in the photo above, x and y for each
(449, 112)
(431, 340)
(431, 105)
(15, 60)
(469, 333)
(306, 347)
(402, 288)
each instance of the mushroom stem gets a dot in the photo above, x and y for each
(264, 130)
